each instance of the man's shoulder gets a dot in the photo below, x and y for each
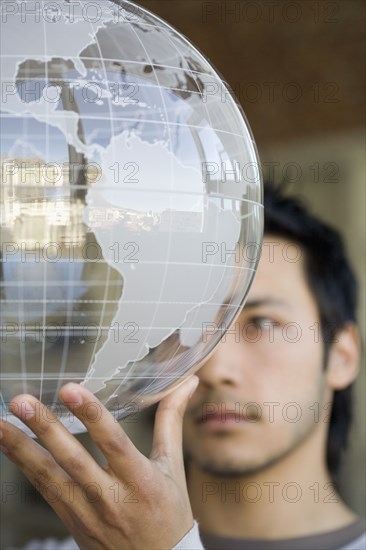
(52, 544)
(358, 544)
(192, 541)
(351, 537)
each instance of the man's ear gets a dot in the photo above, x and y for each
(344, 358)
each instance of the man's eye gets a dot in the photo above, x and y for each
(263, 322)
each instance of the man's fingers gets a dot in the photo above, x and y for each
(66, 450)
(37, 465)
(167, 441)
(116, 446)
(71, 502)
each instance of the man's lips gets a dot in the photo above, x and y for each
(214, 412)
(222, 421)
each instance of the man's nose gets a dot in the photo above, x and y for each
(225, 366)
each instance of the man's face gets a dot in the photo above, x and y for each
(261, 392)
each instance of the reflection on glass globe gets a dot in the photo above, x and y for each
(131, 216)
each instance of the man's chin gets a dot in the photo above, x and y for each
(230, 471)
(230, 467)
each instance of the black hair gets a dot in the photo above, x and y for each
(334, 287)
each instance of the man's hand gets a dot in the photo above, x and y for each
(133, 501)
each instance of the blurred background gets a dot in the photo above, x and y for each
(298, 70)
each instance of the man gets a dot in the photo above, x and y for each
(262, 438)
(261, 441)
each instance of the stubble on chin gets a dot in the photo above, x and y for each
(217, 465)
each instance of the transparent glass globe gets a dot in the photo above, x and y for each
(131, 216)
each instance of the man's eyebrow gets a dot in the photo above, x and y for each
(260, 302)
(266, 302)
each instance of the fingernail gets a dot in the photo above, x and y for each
(74, 398)
(24, 410)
